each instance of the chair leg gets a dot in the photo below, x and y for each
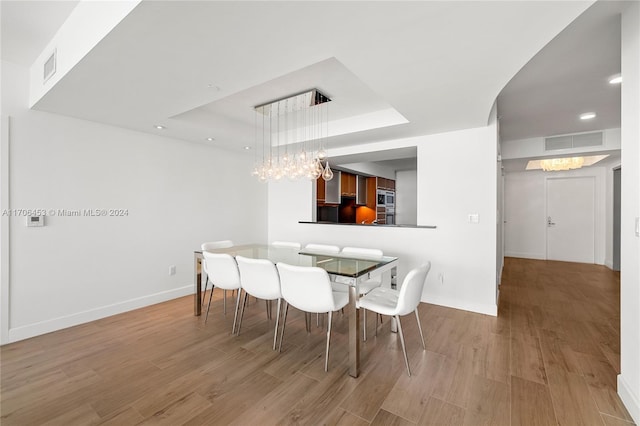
(209, 305)
(235, 315)
(307, 321)
(204, 293)
(420, 328)
(268, 303)
(224, 304)
(233, 329)
(404, 349)
(364, 325)
(275, 333)
(244, 305)
(284, 322)
(326, 355)
(378, 316)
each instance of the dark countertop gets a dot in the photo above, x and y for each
(371, 225)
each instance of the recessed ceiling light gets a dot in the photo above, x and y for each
(616, 79)
(210, 139)
(159, 127)
(587, 116)
(247, 147)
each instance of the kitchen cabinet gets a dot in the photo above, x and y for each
(328, 192)
(386, 184)
(320, 190)
(382, 183)
(361, 190)
(372, 193)
(332, 189)
(348, 184)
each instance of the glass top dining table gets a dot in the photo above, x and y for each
(343, 269)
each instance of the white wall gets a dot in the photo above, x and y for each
(463, 253)
(495, 122)
(76, 269)
(372, 169)
(406, 200)
(526, 215)
(534, 147)
(629, 379)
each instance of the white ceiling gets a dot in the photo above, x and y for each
(27, 26)
(568, 77)
(200, 67)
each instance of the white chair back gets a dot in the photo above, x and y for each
(411, 290)
(286, 244)
(216, 245)
(323, 248)
(306, 288)
(364, 252)
(259, 278)
(222, 270)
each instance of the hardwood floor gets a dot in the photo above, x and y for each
(551, 356)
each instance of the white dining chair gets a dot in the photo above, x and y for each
(258, 278)
(308, 289)
(286, 244)
(323, 248)
(367, 285)
(395, 303)
(211, 245)
(223, 270)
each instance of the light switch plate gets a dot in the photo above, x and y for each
(637, 226)
(474, 218)
(35, 221)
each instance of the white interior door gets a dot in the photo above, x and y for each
(571, 219)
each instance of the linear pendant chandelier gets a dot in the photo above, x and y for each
(557, 164)
(291, 138)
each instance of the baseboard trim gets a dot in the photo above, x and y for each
(608, 264)
(525, 255)
(54, 324)
(456, 304)
(629, 400)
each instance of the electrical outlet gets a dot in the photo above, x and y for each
(172, 270)
(474, 218)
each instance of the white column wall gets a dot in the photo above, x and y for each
(77, 269)
(456, 176)
(629, 378)
(608, 256)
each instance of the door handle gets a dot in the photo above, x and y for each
(549, 222)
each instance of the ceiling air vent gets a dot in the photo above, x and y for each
(579, 140)
(50, 66)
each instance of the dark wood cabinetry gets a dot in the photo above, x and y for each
(320, 190)
(348, 184)
(355, 194)
(386, 184)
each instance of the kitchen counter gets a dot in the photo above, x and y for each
(374, 225)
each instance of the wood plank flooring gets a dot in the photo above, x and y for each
(550, 357)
